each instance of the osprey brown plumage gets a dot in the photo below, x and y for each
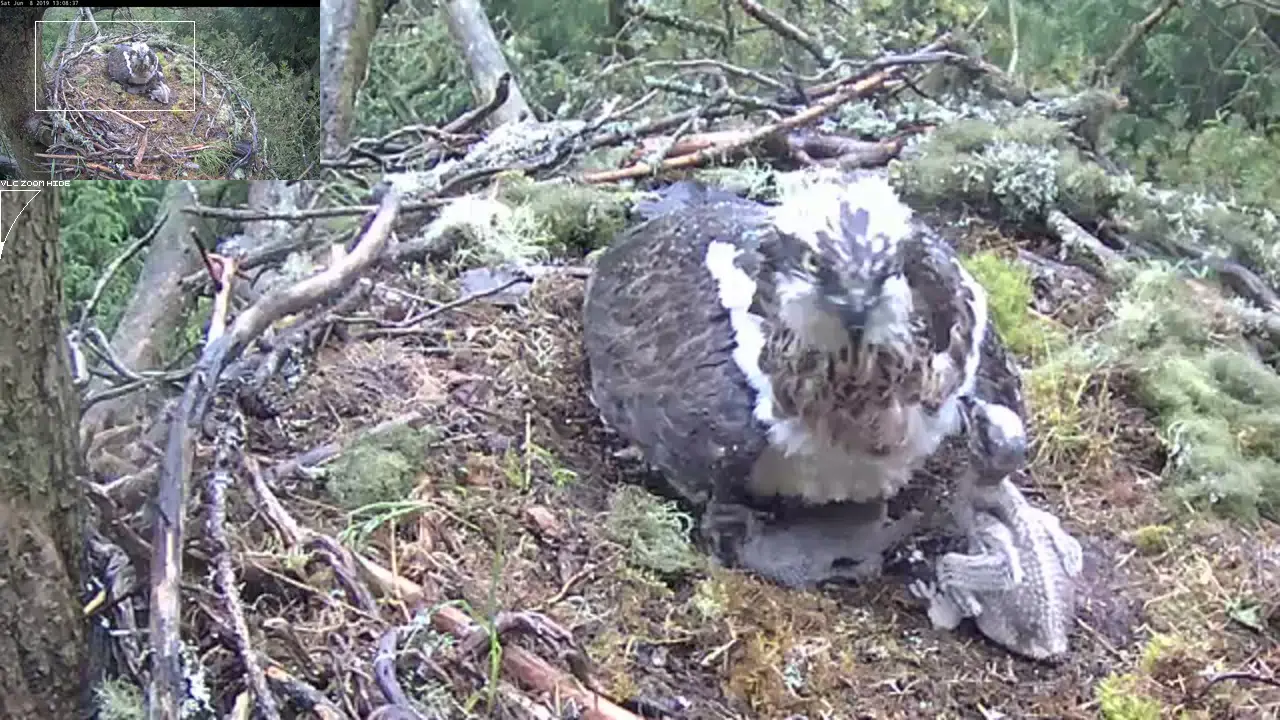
(797, 355)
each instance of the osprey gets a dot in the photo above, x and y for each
(789, 367)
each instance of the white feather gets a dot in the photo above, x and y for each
(737, 290)
(889, 321)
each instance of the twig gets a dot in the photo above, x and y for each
(709, 63)
(803, 117)
(114, 267)
(1136, 33)
(166, 687)
(245, 214)
(1102, 260)
(464, 300)
(230, 437)
(725, 94)
(1013, 37)
(678, 22)
(786, 29)
(473, 117)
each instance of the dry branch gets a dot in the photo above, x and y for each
(1089, 251)
(786, 29)
(166, 686)
(705, 155)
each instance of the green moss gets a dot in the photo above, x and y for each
(1218, 405)
(576, 218)
(119, 700)
(1086, 191)
(1119, 699)
(383, 468)
(1009, 297)
(655, 531)
(1152, 539)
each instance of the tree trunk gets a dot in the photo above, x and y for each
(155, 311)
(42, 648)
(17, 111)
(346, 32)
(471, 32)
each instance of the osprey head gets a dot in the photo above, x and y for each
(838, 261)
(997, 438)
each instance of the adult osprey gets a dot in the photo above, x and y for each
(790, 366)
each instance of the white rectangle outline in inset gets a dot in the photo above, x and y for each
(35, 63)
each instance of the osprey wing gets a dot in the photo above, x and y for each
(661, 343)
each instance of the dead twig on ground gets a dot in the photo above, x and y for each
(231, 438)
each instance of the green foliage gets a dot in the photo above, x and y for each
(118, 699)
(381, 469)
(287, 105)
(1227, 160)
(1120, 699)
(99, 219)
(1009, 296)
(289, 35)
(415, 74)
(654, 531)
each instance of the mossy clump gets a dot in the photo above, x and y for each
(1152, 539)
(655, 532)
(1218, 404)
(1017, 171)
(1009, 298)
(1119, 698)
(480, 231)
(975, 163)
(1086, 191)
(383, 468)
(1175, 220)
(575, 219)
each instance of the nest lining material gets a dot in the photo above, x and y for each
(124, 135)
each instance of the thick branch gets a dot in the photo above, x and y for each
(474, 38)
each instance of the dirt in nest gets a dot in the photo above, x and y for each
(191, 137)
(511, 510)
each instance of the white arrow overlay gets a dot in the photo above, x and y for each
(8, 227)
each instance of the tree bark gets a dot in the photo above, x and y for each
(17, 101)
(42, 651)
(472, 34)
(346, 32)
(156, 309)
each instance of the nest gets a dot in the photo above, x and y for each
(208, 131)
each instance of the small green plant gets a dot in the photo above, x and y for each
(518, 467)
(1152, 539)
(1120, 699)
